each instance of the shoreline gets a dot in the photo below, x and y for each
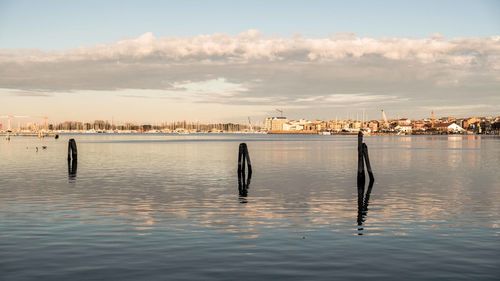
(53, 134)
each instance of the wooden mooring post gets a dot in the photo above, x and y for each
(244, 160)
(72, 151)
(244, 163)
(361, 165)
(367, 161)
(363, 159)
(72, 158)
(363, 197)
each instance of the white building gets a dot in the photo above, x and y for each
(403, 129)
(449, 128)
(454, 128)
(275, 123)
(292, 126)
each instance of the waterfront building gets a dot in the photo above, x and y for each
(406, 129)
(454, 128)
(373, 125)
(471, 123)
(478, 125)
(447, 119)
(275, 123)
(292, 126)
(419, 126)
(441, 127)
(403, 122)
(310, 126)
(449, 128)
(337, 126)
(495, 127)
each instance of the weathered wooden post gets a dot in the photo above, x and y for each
(249, 163)
(244, 163)
(362, 197)
(367, 160)
(363, 159)
(241, 159)
(72, 151)
(367, 195)
(361, 166)
(72, 158)
(244, 159)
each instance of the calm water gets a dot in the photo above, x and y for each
(159, 207)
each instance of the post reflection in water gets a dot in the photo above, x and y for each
(72, 168)
(243, 185)
(363, 200)
(361, 179)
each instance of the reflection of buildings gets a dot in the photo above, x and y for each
(211, 204)
(143, 217)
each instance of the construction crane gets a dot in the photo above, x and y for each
(280, 111)
(386, 123)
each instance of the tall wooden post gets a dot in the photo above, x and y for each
(361, 166)
(72, 158)
(72, 151)
(244, 163)
(362, 197)
(367, 160)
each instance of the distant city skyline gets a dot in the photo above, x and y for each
(222, 61)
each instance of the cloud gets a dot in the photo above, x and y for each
(218, 86)
(252, 46)
(458, 107)
(253, 69)
(32, 93)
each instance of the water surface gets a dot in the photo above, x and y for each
(166, 207)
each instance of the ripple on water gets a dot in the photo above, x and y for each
(167, 207)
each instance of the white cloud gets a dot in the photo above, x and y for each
(254, 70)
(348, 99)
(466, 107)
(219, 86)
(251, 45)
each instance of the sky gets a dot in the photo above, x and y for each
(153, 61)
